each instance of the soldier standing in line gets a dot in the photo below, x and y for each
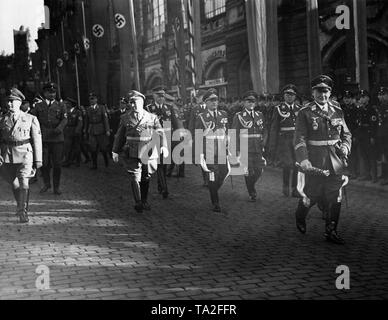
(382, 133)
(252, 122)
(136, 131)
(73, 132)
(351, 115)
(281, 138)
(52, 117)
(322, 143)
(198, 108)
(365, 136)
(214, 159)
(170, 122)
(97, 130)
(20, 151)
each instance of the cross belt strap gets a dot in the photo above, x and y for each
(322, 143)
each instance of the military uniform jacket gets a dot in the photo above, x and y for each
(52, 119)
(383, 122)
(368, 122)
(166, 113)
(351, 114)
(133, 135)
(20, 141)
(317, 133)
(74, 122)
(195, 111)
(215, 130)
(97, 121)
(253, 130)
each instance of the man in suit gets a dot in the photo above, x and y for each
(169, 119)
(97, 130)
(137, 131)
(52, 117)
(213, 158)
(322, 141)
(20, 150)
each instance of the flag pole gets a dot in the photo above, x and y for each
(77, 78)
(134, 41)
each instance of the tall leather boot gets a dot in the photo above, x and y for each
(286, 182)
(332, 223)
(144, 187)
(384, 174)
(300, 216)
(57, 171)
(16, 196)
(23, 206)
(214, 196)
(45, 170)
(106, 159)
(135, 186)
(162, 181)
(250, 187)
(181, 170)
(294, 183)
(94, 161)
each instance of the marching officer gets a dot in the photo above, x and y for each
(20, 150)
(213, 158)
(52, 117)
(382, 133)
(136, 132)
(97, 129)
(322, 141)
(351, 115)
(282, 132)
(73, 132)
(170, 122)
(252, 124)
(365, 136)
(197, 109)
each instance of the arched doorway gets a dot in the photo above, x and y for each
(215, 76)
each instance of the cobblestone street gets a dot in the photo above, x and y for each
(97, 247)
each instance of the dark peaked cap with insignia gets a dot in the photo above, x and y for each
(250, 93)
(364, 93)
(211, 93)
(16, 94)
(322, 81)
(289, 88)
(159, 90)
(348, 94)
(50, 86)
(383, 90)
(92, 95)
(134, 94)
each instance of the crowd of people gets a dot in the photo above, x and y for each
(320, 136)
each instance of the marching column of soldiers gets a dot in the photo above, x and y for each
(316, 142)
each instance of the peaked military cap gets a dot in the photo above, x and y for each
(92, 95)
(135, 94)
(383, 90)
(322, 81)
(250, 93)
(71, 100)
(290, 88)
(50, 86)
(348, 94)
(201, 93)
(211, 93)
(16, 94)
(159, 90)
(364, 93)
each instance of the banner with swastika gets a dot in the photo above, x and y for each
(98, 31)
(120, 21)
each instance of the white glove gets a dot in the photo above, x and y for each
(203, 163)
(164, 152)
(115, 157)
(306, 165)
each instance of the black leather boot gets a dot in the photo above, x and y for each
(137, 196)
(300, 216)
(331, 234)
(57, 171)
(16, 196)
(23, 206)
(144, 187)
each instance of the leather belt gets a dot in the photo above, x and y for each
(138, 139)
(253, 135)
(16, 143)
(287, 129)
(322, 143)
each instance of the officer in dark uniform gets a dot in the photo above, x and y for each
(351, 115)
(322, 143)
(52, 117)
(197, 109)
(170, 122)
(214, 159)
(115, 115)
(249, 124)
(365, 136)
(20, 150)
(281, 146)
(97, 129)
(73, 132)
(133, 139)
(382, 133)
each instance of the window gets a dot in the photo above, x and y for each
(156, 15)
(214, 8)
